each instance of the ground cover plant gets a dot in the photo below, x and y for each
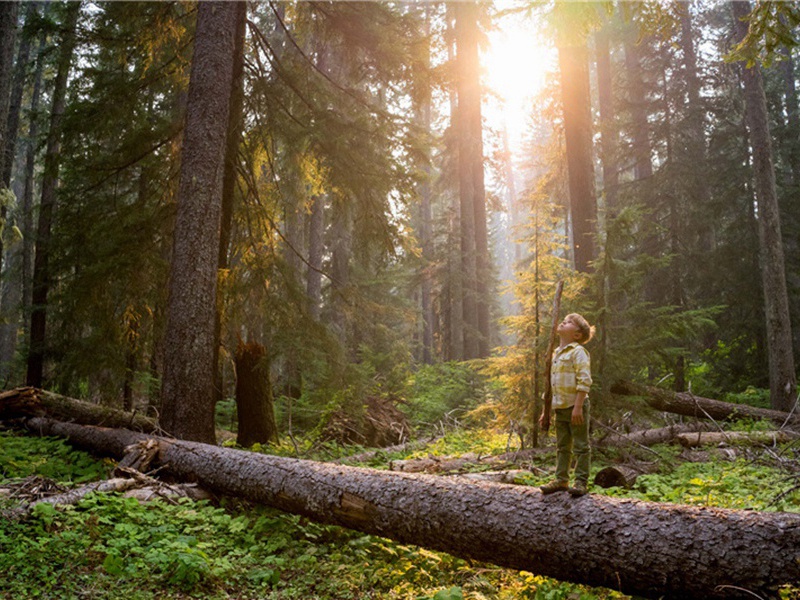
(109, 546)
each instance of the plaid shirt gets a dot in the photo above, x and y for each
(570, 373)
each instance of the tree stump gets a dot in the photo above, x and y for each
(616, 476)
(254, 403)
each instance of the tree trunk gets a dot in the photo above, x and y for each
(686, 404)
(608, 132)
(643, 548)
(188, 380)
(782, 377)
(643, 165)
(254, 405)
(8, 34)
(229, 178)
(474, 236)
(29, 184)
(423, 118)
(316, 230)
(52, 159)
(573, 61)
(14, 274)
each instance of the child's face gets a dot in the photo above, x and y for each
(568, 330)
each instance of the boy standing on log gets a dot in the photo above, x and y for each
(571, 378)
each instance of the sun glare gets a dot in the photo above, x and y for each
(515, 64)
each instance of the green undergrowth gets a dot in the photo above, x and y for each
(108, 546)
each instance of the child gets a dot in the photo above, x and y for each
(571, 378)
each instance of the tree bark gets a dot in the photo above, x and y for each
(188, 379)
(573, 61)
(651, 437)
(683, 403)
(229, 178)
(8, 34)
(316, 246)
(782, 377)
(643, 164)
(254, 405)
(423, 118)
(52, 159)
(29, 183)
(642, 548)
(468, 94)
(715, 438)
(29, 402)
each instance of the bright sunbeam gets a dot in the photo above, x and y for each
(515, 64)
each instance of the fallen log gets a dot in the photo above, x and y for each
(636, 547)
(651, 437)
(34, 402)
(683, 403)
(716, 438)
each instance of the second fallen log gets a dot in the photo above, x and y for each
(683, 403)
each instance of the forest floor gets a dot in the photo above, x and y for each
(109, 546)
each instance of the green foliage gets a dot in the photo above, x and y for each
(737, 485)
(22, 456)
(442, 392)
(771, 27)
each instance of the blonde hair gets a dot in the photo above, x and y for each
(587, 331)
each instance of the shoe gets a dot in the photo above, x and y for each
(579, 489)
(554, 486)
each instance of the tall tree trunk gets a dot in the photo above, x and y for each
(229, 178)
(782, 378)
(640, 548)
(29, 184)
(47, 205)
(472, 193)
(12, 284)
(694, 155)
(8, 34)
(609, 142)
(573, 63)
(608, 130)
(17, 89)
(316, 246)
(643, 166)
(454, 276)
(254, 404)
(423, 118)
(466, 213)
(188, 381)
(341, 249)
(790, 202)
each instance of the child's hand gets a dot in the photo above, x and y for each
(577, 415)
(544, 423)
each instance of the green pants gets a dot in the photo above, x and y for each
(572, 439)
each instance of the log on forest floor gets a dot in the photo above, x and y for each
(33, 402)
(683, 403)
(461, 464)
(732, 438)
(643, 548)
(34, 491)
(651, 437)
